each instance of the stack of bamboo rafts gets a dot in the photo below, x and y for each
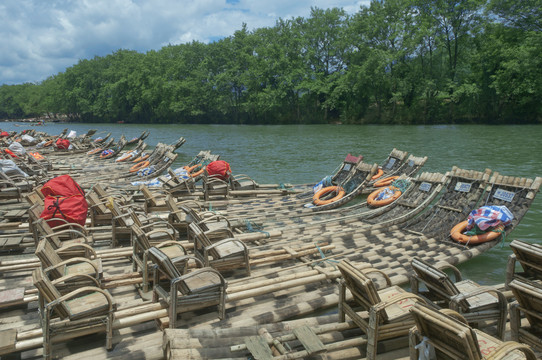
(292, 250)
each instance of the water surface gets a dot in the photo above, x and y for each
(307, 153)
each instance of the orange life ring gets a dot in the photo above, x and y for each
(124, 157)
(197, 173)
(379, 173)
(48, 143)
(102, 156)
(94, 151)
(457, 234)
(324, 191)
(36, 155)
(385, 182)
(371, 199)
(141, 158)
(139, 166)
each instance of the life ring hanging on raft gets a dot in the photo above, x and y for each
(141, 158)
(94, 151)
(372, 198)
(457, 234)
(385, 182)
(378, 174)
(316, 199)
(139, 166)
(127, 156)
(197, 173)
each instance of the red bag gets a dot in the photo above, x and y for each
(62, 185)
(73, 209)
(219, 169)
(4, 134)
(63, 143)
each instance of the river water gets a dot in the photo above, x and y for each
(307, 153)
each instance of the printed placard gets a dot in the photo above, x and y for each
(411, 163)
(390, 163)
(425, 186)
(503, 195)
(463, 187)
(347, 167)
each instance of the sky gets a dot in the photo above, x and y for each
(40, 38)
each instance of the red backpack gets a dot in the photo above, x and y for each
(63, 143)
(219, 169)
(64, 199)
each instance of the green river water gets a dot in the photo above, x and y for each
(305, 154)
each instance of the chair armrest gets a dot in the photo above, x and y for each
(444, 265)
(507, 347)
(197, 272)
(72, 260)
(72, 231)
(226, 231)
(160, 231)
(80, 291)
(76, 276)
(510, 270)
(170, 243)
(88, 248)
(227, 241)
(381, 306)
(384, 275)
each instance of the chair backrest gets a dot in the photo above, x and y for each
(34, 198)
(48, 257)
(449, 335)
(529, 256)
(49, 292)
(164, 263)
(199, 234)
(96, 204)
(191, 214)
(171, 204)
(141, 237)
(436, 279)
(362, 287)
(148, 195)
(529, 296)
(121, 218)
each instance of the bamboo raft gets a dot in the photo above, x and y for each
(293, 272)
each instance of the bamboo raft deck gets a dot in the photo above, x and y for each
(293, 272)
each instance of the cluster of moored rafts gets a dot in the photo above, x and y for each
(165, 247)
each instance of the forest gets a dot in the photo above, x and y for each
(392, 62)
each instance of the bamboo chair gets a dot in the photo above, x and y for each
(85, 309)
(452, 338)
(125, 217)
(61, 235)
(176, 185)
(528, 302)
(54, 267)
(100, 215)
(214, 225)
(119, 197)
(178, 217)
(529, 255)
(476, 303)
(225, 254)
(78, 245)
(182, 292)
(388, 315)
(141, 245)
(152, 202)
(242, 182)
(214, 187)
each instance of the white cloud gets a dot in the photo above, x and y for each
(41, 38)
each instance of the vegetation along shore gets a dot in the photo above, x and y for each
(392, 62)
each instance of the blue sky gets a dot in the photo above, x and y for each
(40, 38)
